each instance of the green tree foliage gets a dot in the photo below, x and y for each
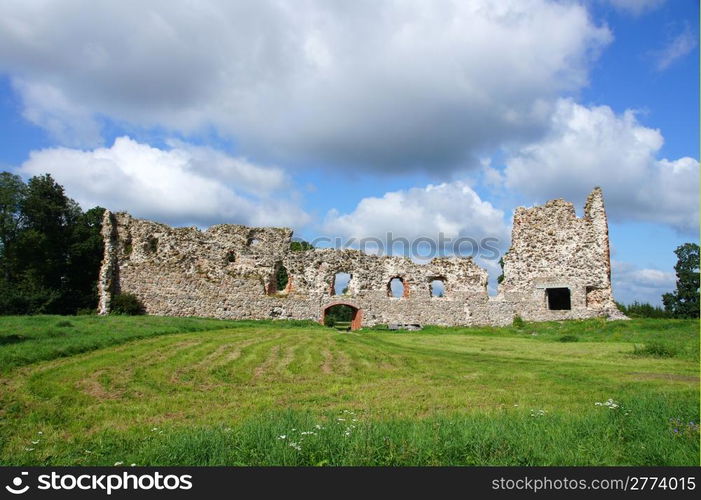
(300, 246)
(50, 251)
(684, 302)
(642, 310)
(85, 257)
(500, 278)
(281, 278)
(12, 193)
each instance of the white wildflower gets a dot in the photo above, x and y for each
(609, 403)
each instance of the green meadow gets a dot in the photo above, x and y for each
(88, 390)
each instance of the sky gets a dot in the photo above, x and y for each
(428, 121)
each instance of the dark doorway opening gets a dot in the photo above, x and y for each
(558, 299)
(343, 317)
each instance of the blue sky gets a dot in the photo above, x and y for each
(359, 119)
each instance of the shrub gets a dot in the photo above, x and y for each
(126, 303)
(12, 339)
(518, 322)
(656, 349)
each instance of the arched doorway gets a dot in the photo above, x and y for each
(397, 288)
(342, 313)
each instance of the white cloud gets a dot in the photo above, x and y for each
(644, 285)
(590, 146)
(68, 123)
(451, 215)
(636, 7)
(676, 49)
(378, 84)
(451, 209)
(246, 176)
(182, 185)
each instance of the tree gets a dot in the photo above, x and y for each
(12, 193)
(684, 302)
(643, 310)
(50, 251)
(44, 241)
(85, 255)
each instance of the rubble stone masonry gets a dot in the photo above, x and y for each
(558, 267)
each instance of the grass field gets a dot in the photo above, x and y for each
(186, 391)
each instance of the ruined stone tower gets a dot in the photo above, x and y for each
(558, 267)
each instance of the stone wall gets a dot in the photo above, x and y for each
(228, 271)
(553, 248)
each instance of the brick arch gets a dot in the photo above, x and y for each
(357, 320)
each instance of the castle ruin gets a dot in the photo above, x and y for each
(558, 267)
